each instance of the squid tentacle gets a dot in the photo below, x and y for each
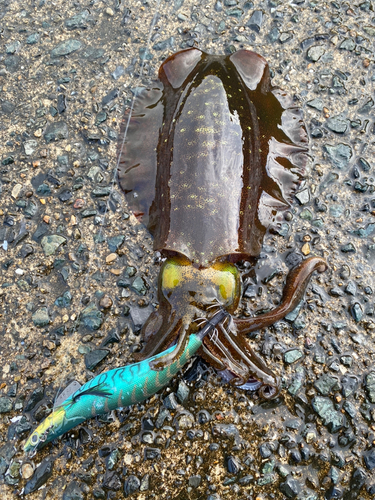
(297, 281)
(162, 338)
(167, 359)
(256, 366)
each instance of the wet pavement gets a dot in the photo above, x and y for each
(78, 275)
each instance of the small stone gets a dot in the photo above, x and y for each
(113, 458)
(364, 232)
(78, 21)
(316, 104)
(118, 72)
(290, 487)
(170, 402)
(357, 312)
(256, 20)
(93, 358)
(41, 475)
(195, 481)
(6, 405)
(350, 288)
(340, 155)
(182, 391)
(292, 356)
(115, 242)
(347, 44)
(315, 53)
(132, 484)
(326, 384)
(65, 48)
(13, 47)
(112, 257)
(92, 317)
(35, 397)
(285, 37)
(303, 196)
(27, 471)
(65, 300)
(105, 302)
(51, 243)
(306, 249)
(370, 386)
(164, 44)
(16, 191)
(348, 248)
(369, 458)
(101, 191)
(56, 131)
(30, 147)
(337, 125)
(110, 97)
(325, 409)
(145, 483)
(139, 286)
(233, 465)
(274, 34)
(33, 38)
(73, 492)
(40, 317)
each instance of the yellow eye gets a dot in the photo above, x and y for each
(172, 272)
(227, 279)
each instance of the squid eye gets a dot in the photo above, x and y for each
(34, 438)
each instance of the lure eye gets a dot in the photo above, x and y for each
(34, 439)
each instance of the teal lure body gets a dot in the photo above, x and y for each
(113, 389)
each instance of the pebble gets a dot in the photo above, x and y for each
(369, 458)
(66, 47)
(91, 317)
(325, 409)
(56, 131)
(112, 257)
(357, 312)
(315, 53)
(72, 492)
(347, 44)
(337, 125)
(370, 386)
(340, 154)
(40, 317)
(35, 397)
(326, 384)
(292, 356)
(256, 20)
(30, 147)
(27, 470)
(93, 358)
(41, 475)
(79, 20)
(290, 487)
(115, 242)
(139, 315)
(51, 243)
(303, 196)
(6, 405)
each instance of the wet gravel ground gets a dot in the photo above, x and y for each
(78, 275)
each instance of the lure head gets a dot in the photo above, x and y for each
(46, 431)
(186, 287)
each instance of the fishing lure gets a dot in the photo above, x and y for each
(207, 158)
(116, 388)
